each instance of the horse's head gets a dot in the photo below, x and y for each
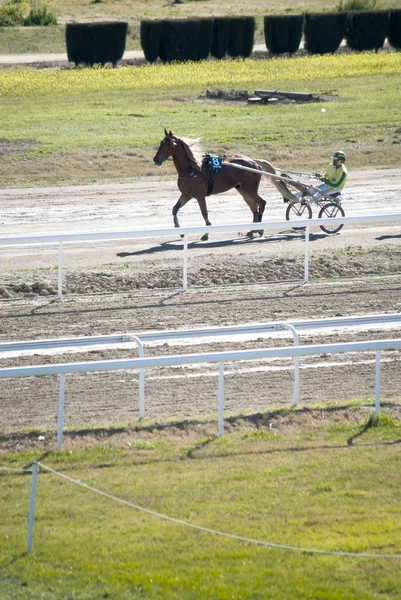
(166, 148)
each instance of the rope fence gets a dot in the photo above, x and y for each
(38, 465)
(22, 471)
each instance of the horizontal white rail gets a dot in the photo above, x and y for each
(185, 232)
(25, 240)
(207, 357)
(153, 336)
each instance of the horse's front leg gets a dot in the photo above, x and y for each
(183, 199)
(203, 207)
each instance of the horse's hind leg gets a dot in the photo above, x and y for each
(257, 208)
(249, 191)
(262, 206)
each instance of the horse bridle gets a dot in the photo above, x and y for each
(172, 149)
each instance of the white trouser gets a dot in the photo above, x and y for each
(326, 189)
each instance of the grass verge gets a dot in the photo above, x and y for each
(319, 478)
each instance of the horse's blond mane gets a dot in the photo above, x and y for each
(193, 150)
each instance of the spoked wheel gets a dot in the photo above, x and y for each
(298, 212)
(331, 211)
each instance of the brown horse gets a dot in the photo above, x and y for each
(196, 180)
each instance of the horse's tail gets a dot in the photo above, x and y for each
(280, 185)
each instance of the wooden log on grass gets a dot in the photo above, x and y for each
(289, 95)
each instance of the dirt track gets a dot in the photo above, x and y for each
(228, 266)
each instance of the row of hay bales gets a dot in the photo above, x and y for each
(196, 39)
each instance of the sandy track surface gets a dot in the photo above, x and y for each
(147, 204)
(112, 398)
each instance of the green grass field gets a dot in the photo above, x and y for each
(90, 125)
(323, 479)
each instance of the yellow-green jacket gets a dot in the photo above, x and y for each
(335, 177)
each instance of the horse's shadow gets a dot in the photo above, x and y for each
(174, 245)
(388, 237)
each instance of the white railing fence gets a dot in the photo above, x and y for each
(376, 346)
(375, 320)
(64, 238)
(207, 332)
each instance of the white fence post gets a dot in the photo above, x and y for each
(221, 400)
(141, 393)
(296, 358)
(306, 257)
(60, 413)
(296, 364)
(60, 271)
(378, 374)
(141, 354)
(32, 507)
(185, 265)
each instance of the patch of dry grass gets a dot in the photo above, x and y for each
(80, 167)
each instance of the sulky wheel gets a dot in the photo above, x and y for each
(298, 211)
(331, 211)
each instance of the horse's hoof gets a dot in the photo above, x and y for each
(205, 237)
(182, 235)
(249, 234)
(261, 232)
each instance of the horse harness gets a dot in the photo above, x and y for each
(213, 164)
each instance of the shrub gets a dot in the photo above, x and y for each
(394, 29)
(283, 33)
(221, 27)
(205, 37)
(249, 37)
(235, 36)
(185, 39)
(367, 30)
(40, 17)
(356, 5)
(240, 36)
(324, 32)
(150, 39)
(11, 15)
(92, 43)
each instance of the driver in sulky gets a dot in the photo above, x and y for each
(334, 177)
